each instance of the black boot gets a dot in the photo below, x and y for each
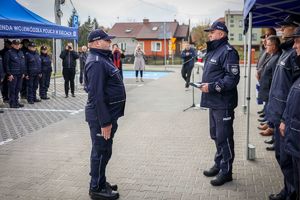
(114, 187)
(280, 196)
(104, 194)
(220, 179)
(212, 171)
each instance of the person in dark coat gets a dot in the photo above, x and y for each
(188, 55)
(15, 68)
(105, 104)
(82, 58)
(118, 55)
(4, 89)
(290, 123)
(24, 90)
(267, 69)
(2, 75)
(46, 73)
(280, 86)
(34, 72)
(220, 78)
(69, 57)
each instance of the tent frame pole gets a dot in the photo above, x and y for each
(244, 106)
(54, 64)
(250, 148)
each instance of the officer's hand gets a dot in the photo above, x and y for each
(23, 75)
(10, 78)
(40, 75)
(282, 128)
(204, 87)
(106, 132)
(257, 76)
(27, 77)
(187, 53)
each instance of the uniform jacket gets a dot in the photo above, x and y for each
(69, 59)
(33, 63)
(266, 76)
(281, 83)
(188, 60)
(14, 62)
(106, 91)
(1, 69)
(222, 73)
(291, 117)
(46, 63)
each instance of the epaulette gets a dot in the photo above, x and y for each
(229, 48)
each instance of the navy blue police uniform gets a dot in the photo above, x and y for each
(82, 58)
(222, 73)
(105, 104)
(188, 56)
(1, 71)
(34, 71)
(280, 86)
(4, 89)
(14, 61)
(46, 75)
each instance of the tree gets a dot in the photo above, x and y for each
(199, 36)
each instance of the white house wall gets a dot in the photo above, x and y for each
(131, 43)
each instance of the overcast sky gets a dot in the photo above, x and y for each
(109, 12)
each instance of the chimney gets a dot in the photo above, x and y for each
(145, 21)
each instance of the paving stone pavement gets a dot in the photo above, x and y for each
(159, 151)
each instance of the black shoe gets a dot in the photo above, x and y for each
(221, 179)
(212, 171)
(261, 120)
(31, 102)
(262, 123)
(114, 187)
(14, 106)
(104, 194)
(20, 105)
(5, 101)
(66, 96)
(271, 148)
(45, 98)
(262, 115)
(269, 141)
(260, 112)
(73, 95)
(279, 196)
(37, 100)
(1, 111)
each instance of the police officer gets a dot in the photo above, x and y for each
(69, 57)
(4, 89)
(46, 73)
(105, 104)
(24, 90)
(280, 86)
(34, 72)
(219, 94)
(2, 74)
(14, 61)
(188, 55)
(290, 124)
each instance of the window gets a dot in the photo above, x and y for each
(231, 39)
(240, 23)
(155, 46)
(254, 37)
(155, 28)
(123, 46)
(231, 16)
(240, 37)
(232, 34)
(231, 21)
(231, 25)
(128, 30)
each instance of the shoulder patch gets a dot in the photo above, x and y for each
(229, 48)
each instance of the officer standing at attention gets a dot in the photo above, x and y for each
(14, 61)
(219, 93)
(2, 74)
(105, 104)
(290, 123)
(188, 55)
(34, 72)
(46, 73)
(280, 86)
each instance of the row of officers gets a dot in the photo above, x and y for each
(23, 70)
(18, 65)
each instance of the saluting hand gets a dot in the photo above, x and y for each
(10, 78)
(282, 129)
(106, 132)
